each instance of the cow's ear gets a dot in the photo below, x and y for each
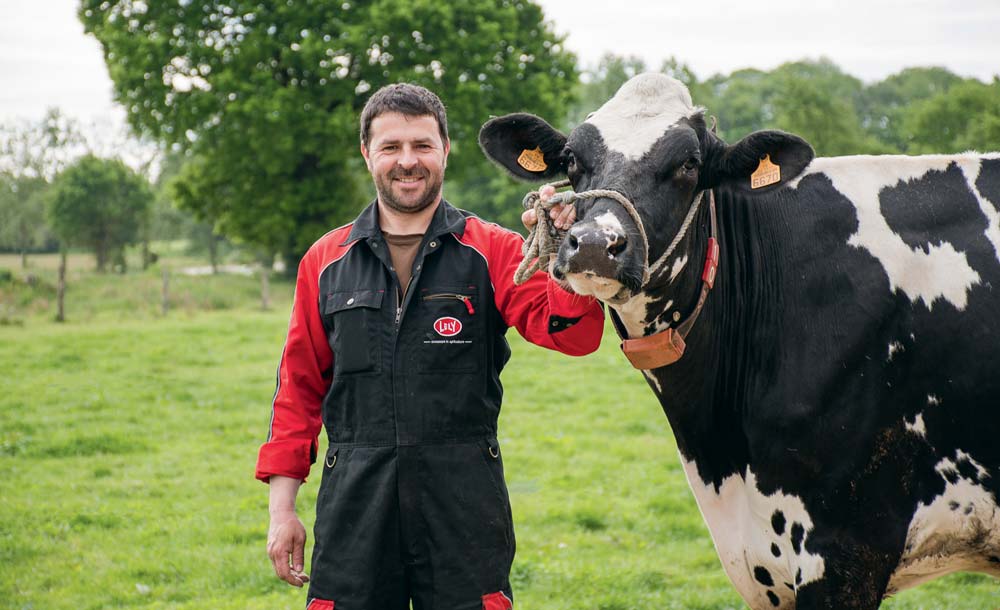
(524, 145)
(761, 162)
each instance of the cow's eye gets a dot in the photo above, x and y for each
(691, 165)
(571, 165)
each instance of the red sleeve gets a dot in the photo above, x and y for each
(304, 376)
(540, 309)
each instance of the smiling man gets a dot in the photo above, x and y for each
(395, 347)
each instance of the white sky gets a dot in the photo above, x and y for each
(46, 60)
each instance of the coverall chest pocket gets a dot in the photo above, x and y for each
(452, 332)
(355, 338)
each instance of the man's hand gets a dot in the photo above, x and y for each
(286, 542)
(562, 216)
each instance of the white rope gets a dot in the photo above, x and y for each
(543, 240)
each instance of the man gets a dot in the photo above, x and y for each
(395, 345)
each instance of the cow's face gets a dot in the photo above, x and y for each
(650, 144)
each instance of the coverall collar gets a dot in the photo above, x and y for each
(446, 219)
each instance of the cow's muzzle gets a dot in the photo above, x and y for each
(601, 257)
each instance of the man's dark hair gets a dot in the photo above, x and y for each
(407, 99)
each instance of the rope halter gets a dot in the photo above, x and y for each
(544, 239)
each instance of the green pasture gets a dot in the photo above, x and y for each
(128, 441)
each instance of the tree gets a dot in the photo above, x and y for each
(819, 102)
(965, 117)
(100, 204)
(884, 104)
(264, 96)
(22, 214)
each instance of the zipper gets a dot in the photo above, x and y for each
(461, 297)
(399, 301)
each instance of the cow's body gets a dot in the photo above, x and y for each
(837, 409)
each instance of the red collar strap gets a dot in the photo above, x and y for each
(667, 347)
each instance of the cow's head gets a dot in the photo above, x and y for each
(652, 145)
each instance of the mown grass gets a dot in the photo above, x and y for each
(128, 440)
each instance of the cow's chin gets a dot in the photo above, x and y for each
(602, 288)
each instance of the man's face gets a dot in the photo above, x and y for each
(406, 158)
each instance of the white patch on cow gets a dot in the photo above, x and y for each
(971, 171)
(958, 530)
(633, 314)
(739, 517)
(653, 380)
(894, 347)
(941, 272)
(917, 425)
(678, 265)
(933, 400)
(588, 283)
(612, 229)
(641, 112)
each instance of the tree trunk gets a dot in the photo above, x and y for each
(101, 252)
(61, 288)
(165, 304)
(145, 254)
(24, 258)
(213, 253)
(265, 287)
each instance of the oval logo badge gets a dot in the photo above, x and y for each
(447, 326)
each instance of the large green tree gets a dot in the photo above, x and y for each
(886, 103)
(965, 117)
(100, 204)
(263, 96)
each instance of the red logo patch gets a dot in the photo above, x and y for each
(447, 326)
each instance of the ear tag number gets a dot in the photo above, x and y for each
(532, 160)
(767, 173)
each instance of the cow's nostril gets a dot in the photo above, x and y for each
(617, 247)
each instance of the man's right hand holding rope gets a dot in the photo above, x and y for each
(562, 216)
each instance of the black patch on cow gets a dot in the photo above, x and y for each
(798, 576)
(790, 586)
(763, 576)
(953, 505)
(937, 207)
(951, 476)
(968, 509)
(778, 522)
(988, 182)
(773, 598)
(798, 532)
(775, 550)
(967, 469)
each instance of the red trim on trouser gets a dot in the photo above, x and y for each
(497, 601)
(320, 604)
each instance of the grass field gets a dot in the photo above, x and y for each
(128, 440)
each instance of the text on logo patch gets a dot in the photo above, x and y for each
(447, 326)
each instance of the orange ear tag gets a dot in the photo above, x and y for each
(532, 160)
(767, 173)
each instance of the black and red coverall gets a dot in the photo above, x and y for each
(412, 504)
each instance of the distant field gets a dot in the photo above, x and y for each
(128, 440)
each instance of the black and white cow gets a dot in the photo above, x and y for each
(837, 408)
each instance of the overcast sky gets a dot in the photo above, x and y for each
(46, 60)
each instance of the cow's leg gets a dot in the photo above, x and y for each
(855, 576)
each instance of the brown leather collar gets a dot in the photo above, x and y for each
(667, 347)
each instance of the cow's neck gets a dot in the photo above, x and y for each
(697, 393)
